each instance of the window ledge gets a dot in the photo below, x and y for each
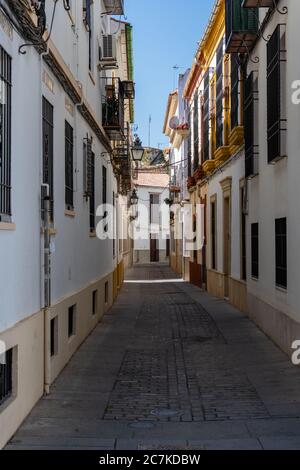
(93, 234)
(9, 226)
(283, 290)
(70, 213)
(254, 279)
(277, 159)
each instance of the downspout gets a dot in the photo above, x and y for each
(46, 256)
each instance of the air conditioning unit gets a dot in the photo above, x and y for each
(108, 52)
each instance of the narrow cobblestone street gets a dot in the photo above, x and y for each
(169, 367)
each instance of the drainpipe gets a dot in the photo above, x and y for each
(47, 290)
(46, 255)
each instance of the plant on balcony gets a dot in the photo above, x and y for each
(198, 174)
(191, 182)
(183, 130)
(169, 201)
(174, 188)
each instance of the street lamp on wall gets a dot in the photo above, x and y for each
(137, 151)
(134, 198)
(134, 205)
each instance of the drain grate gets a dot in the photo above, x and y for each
(166, 413)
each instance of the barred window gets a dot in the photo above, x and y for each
(48, 152)
(234, 111)
(92, 194)
(281, 252)
(276, 58)
(69, 183)
(255, 250)
(5, 135)
(251, 147)
(219, 96)
(206, 115)
(196, 130)
(189, 145)
(213, 236)
(6, 375)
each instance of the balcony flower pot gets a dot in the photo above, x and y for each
(175, 189)
(198, 174)
(191, 182)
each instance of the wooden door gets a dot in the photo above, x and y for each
(154, 251)
(227, 246)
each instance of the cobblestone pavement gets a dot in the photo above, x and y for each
(170, 367)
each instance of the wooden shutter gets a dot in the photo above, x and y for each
(275, 103)
(206, 107)
(219, 96)
(108, 52)
(69, 183)
(87, 167)
(281, 252)
(196, 130)
(234, 111)
(5, 135)
(250, 115)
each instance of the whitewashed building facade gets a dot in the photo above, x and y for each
(272, 169)
(57, 139)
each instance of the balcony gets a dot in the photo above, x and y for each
(258, 3)
(113, 108)
(114, 7)
(129, 89)
(241, 27)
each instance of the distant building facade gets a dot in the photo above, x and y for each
(151, 235)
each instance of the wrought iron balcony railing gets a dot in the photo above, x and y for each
(241, 27)
(114, 7)
(113, 108)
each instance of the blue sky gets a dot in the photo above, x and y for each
(165, 34)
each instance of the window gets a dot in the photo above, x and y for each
(5, 136)
(88, 20)
(196, 131)
(189, 147)
(255, 250)
(234, 110)
(154, 208)
(114, 224)
(71, 321)
(250, 105)
(206, 108)
(69, 184)
(104, 185)
(53, 336)
(106, 293)
(92, 195)
(95, 302)
(243, 235)
(219, 96)
(6, 372)
(213, 236)
(48, 152)
(276, 58)
(281, 252)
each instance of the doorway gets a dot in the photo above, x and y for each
(154, 249)
(227, 246)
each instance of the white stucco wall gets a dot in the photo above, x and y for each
(275, 191)
(235, 170)
(20, 248)
(77, 259)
